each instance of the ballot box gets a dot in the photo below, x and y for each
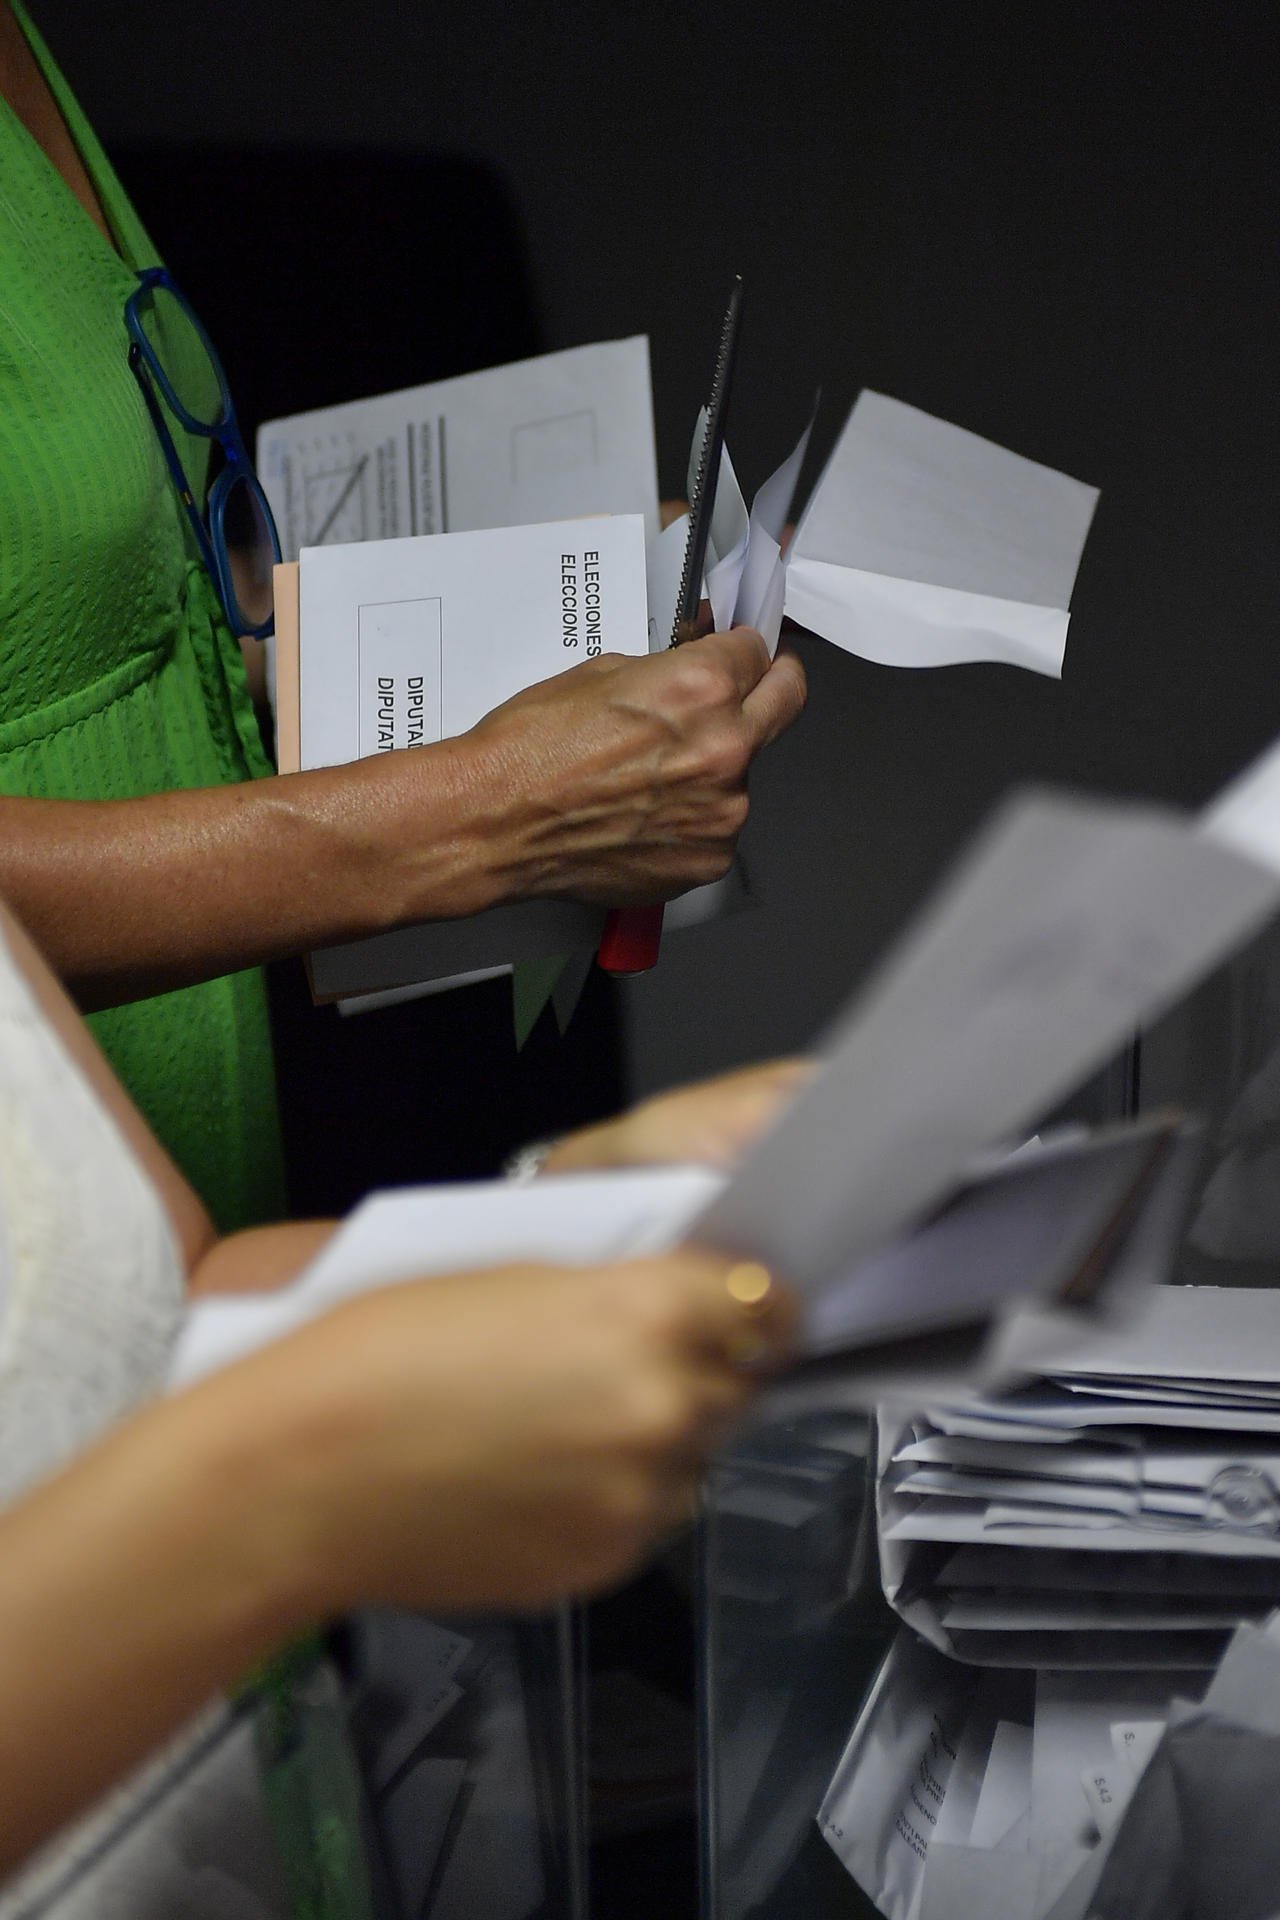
(793, 1630)
(807, 1673)
(466, 1737)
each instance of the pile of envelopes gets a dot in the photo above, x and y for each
(1123, 1510)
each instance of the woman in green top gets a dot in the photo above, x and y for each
(131, 840)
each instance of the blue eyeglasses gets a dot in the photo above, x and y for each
(173, 358)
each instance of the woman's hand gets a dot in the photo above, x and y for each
(712, 1122)
(621, 781)
(486, 1440)
(624, 780)
(502, 1438)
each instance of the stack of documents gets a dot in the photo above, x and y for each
(1121, 1511)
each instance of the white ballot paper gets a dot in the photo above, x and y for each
(926, 546)
(406, 642)
(544, 439)
(922, 545)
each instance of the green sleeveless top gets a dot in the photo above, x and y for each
(118, 676)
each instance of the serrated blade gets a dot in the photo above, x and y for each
(707, 472)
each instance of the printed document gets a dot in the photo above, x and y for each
(406, 642)
(544, 439)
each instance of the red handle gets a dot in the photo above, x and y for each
(631, 939)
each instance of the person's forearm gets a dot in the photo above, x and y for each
(260, 1259)
(132, 897)
(620, 781)
(152, 1573)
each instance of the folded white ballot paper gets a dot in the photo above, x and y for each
(922, 545)
(1018, 1530)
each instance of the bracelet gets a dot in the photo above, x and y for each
(527, 1162)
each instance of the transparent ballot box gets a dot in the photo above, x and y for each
(466, 1735)
(793, 1629)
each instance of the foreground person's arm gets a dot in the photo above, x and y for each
(493, 1439)
(489, 1440)
(621, 781)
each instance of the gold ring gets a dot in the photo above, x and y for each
(750, 1286)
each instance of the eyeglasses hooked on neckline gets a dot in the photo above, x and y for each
(175, 363)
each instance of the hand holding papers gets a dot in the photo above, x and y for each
(1069, 925)
(1066, 926)
(921, 545)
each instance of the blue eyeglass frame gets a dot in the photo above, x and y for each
(207, 526)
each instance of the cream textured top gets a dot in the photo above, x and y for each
(91, 1284)
(91, 1301)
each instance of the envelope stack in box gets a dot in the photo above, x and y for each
(1120, 1512)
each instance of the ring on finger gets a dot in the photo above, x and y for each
(751, 1288)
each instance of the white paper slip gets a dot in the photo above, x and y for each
(887, 1795)
(1070, 924)
(407, 642)
(575, 1219)
(544, 439)
(924, 545)
(1074, 1716)
(1031, 1229)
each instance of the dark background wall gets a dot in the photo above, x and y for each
(1053, 225)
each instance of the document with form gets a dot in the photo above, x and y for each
(546, 439)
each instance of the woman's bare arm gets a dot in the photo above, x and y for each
(257, 1260)
(489, 1440)
(620, 781)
